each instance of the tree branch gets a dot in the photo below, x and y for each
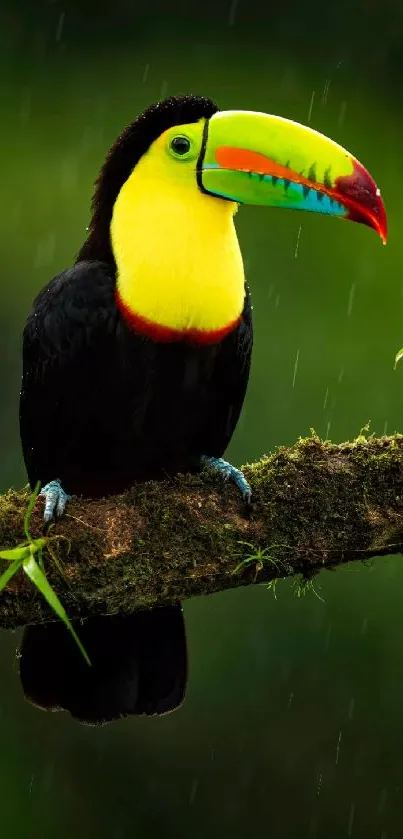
(315, 505)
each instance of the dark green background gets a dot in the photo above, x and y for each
(293, 722)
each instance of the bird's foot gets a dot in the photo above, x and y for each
(228, 471)
(55, 500)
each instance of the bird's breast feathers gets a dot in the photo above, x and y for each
(179, 266)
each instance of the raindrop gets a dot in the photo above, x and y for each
(295, 368)
(351, 820)
(277, 301)
(385, 428)
(60, 25)
(327, 430)
(145, 74)
(340, 376)
(350, 300)
(31, 783)
(232, 12)
(351, 708)
(270, 291)
(326, 91)
(319, 783)
(311, 106)
(338, 747)
(290, 698)
(326, 398)
(364, 626)
(297, 243)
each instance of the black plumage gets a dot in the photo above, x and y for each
(101, 406)
(139, 666)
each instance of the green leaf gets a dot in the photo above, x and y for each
(15, 553)
(398, 357)
(23, 549)
(37, 576)
(9, 572)
(23, 555)
(38, 544)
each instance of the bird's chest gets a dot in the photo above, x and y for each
(169, 390)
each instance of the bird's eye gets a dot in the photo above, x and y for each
(180, 145)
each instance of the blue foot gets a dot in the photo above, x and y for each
(55, 500)
(228, 471)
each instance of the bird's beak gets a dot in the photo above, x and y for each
(256, 158)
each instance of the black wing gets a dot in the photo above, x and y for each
(229, 384)
(68, 339)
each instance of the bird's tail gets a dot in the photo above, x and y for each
(139, 665)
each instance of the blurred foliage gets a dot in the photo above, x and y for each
(289, 700)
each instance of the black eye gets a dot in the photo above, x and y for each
(180, 145)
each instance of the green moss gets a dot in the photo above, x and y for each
(307, 478)
(314, 505)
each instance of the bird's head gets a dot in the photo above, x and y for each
(244, 157)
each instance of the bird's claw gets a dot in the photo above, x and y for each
(227, 470)
(55, 500)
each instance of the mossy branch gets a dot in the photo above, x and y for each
(315, 505)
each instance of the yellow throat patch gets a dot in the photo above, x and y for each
(179, 266)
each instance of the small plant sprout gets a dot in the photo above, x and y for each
(262, 556)
(303, 586)
(272, 586)
(28, 555)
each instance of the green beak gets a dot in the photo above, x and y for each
(255, 158)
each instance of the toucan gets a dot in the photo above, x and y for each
(136, 359)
